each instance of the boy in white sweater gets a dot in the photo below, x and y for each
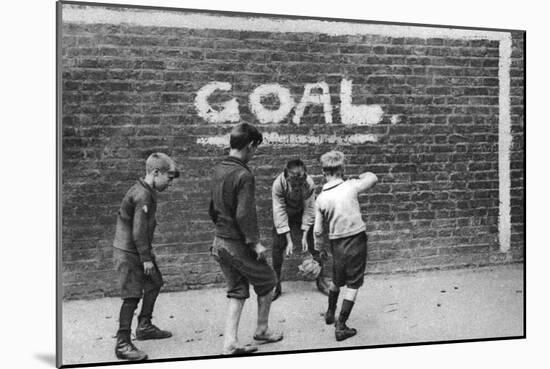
(338, 213)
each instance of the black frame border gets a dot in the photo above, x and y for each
(59, 152)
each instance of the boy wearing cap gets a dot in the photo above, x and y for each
(236, 245)
(293, 197)
(338, 213)
(135, 262)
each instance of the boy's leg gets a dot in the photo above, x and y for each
(333, 293)
(148, 304)
(124, 348)
(264, 280)
(234, 310)
(237, 293)
(338, 279)
(263, 333)
(130, 283)
(355, 274)
(322, 283)
(147, 330)
(277, 257)
(129, 306)
(342, 330)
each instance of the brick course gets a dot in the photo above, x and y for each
(128, 91)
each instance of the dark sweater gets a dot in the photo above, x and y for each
(136, 221)
(233, 203)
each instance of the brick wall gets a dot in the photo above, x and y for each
(129, 90)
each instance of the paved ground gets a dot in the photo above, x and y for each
(391, 309)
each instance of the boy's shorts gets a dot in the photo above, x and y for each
(241, 267)
(350, 260)
(132, 279)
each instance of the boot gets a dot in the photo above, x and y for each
(343, 331)
(125, 349)
(147, 331)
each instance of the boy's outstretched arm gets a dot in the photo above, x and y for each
(366, 181)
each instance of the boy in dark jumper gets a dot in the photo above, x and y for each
(135, 262)
(237, 246)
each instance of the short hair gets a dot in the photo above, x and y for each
(159, 161)
(332, 162)
(295, 163)
(243, 134)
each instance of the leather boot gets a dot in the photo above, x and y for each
(343, 332)
(147, 331)
(125, 349)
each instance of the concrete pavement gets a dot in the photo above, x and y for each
(401, 308)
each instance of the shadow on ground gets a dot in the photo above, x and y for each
(46, 358)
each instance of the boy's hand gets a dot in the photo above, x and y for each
(304, 242)
(289, 248)
(260, 251)
(318, 244)
(289, 244)
(148, 267)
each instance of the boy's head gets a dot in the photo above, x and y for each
(161, 170)
(333, 163)
(245, 138)
(295, 172)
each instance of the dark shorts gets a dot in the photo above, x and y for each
(350, 260)
(132, 280)
(241, 268)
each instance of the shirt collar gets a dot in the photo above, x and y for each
(146, 186)
(332, 184)
(233, 159)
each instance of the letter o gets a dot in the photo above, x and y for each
(286, 103)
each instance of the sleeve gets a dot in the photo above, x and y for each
(280, 216)
(318, 225)
(366, 181)
(140, 229)
(309, 206)
(246, 216)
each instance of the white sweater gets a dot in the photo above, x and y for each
(337, 208)
(287, 203)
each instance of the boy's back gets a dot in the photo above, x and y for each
(339, 206)
(233, 206)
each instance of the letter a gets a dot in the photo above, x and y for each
(309, 98)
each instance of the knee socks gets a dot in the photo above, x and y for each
(127, 309)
